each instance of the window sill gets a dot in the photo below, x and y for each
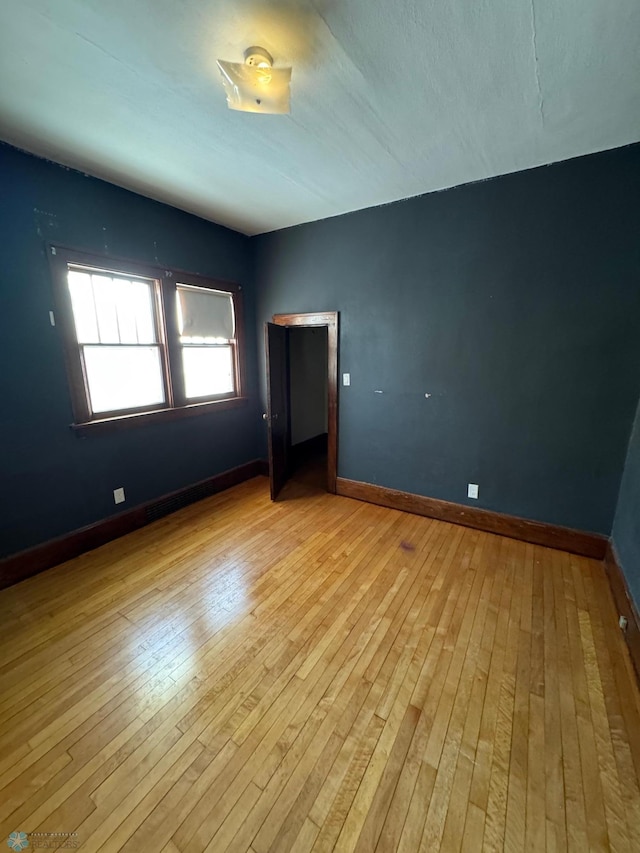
(131, 421)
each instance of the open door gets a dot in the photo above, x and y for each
(328, 319)
(276, 414)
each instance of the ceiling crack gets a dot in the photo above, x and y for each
(107, 53)
(536, 61)
(324, 19)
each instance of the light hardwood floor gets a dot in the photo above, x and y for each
(318, 674)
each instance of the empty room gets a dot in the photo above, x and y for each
(320, 426)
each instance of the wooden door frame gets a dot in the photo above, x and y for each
(277, 474)
(329, 319)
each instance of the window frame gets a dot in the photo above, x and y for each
(205, 284)
(165, 282)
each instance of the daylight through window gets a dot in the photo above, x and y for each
(207, 335)
(145, 341)
(116, 329)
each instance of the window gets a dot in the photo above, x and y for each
(206, 324)
(143, 342)
(116, 329)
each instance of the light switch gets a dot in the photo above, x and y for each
(346, 379)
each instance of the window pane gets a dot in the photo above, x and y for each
(142, 306)
(204, 316)
(84, 309)
(122, 292)
(207, 371)
(112, 310)
(106, 309)
(123, 377)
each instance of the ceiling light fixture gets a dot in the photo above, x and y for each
(255, 86)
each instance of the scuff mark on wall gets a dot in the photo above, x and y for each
(45, 221)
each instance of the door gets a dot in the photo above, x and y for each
(276, 414)
(328, 319)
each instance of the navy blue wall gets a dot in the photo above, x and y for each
(51, 481)
(626, 527)
(515, 303)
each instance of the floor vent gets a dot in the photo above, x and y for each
(172, 503)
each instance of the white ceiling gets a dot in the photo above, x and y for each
(389, 99)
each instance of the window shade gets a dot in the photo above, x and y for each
(206, 313)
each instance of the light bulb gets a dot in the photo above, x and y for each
(256, 86)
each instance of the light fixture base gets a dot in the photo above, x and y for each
(258, 56)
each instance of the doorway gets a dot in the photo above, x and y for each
(302, 405)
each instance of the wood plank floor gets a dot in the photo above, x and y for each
(313, 675)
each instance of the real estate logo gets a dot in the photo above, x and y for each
(45, 840)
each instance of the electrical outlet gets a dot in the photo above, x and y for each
(472, 490)
(118, 496)
(346, 379)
